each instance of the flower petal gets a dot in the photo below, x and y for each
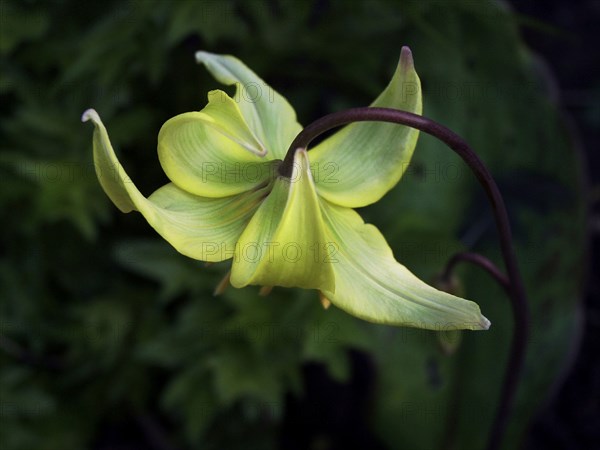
(372, 285)
(198, 227)
(284, 243)
(268, 113)
(361, 162)
(213, 153)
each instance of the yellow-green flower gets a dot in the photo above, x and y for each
(227, 199)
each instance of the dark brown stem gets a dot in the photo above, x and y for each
(516, 289)
(482, 262)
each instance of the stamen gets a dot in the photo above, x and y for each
(223, 284)
(265, 290)
(324, 300)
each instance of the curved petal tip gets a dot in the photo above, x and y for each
(406, 58)
(90, 114)
(200, 55)
(485, 323)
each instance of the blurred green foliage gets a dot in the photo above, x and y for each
(104, 327)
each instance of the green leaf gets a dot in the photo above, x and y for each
(196, 411)
(212, 20)
(157, 260)
(20, 24)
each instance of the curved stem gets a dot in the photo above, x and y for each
(516, 290)
(482, 262)
(487, 265)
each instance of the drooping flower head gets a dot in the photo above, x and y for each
(227, 198)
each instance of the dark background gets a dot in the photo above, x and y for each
(111, 340)
(572, 417)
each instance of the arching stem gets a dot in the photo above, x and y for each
(482, 262)
(516, 289)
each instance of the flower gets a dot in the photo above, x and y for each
(227, 200)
